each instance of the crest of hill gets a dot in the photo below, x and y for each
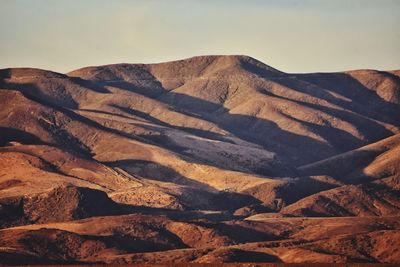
(385, 84)
(51, 87)
(204, 66)
(10, 73)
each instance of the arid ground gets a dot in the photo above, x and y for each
(210, 159)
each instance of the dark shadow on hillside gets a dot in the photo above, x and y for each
(275, 197)
(259, 68)
(364, 101)
(198, 132)
(347, 167)
(16, 135)
(90, 85)
(31, 91)
(338, 138)
(149, 88)
(239, 233)
(376, 193)
(64, 86)
(239, 255)
(104, 113)
(66, 143)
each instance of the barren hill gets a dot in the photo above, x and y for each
(209, 156)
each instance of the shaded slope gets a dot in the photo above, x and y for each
(349, 200)
(49, 86)
(58, 205)
(375, 168)
(375, 161)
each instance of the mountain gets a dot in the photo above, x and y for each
(209, 159)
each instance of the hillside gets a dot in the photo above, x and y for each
(206, 159)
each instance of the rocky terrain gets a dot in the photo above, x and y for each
(207, 160)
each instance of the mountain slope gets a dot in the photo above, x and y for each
(208, 158)
(376, 171)
(261, 105)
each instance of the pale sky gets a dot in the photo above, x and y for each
(291, 35)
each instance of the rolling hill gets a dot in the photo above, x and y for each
(207, 159)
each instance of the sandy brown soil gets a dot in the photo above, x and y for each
(211, 159)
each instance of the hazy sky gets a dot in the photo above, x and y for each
(291, 35)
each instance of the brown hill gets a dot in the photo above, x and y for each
(209, 156)
(349, 200)
(375, 161)
(156, 239)
(59, 205)
(376, 170)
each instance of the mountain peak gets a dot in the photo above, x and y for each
(207, 65)
(216, 64)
